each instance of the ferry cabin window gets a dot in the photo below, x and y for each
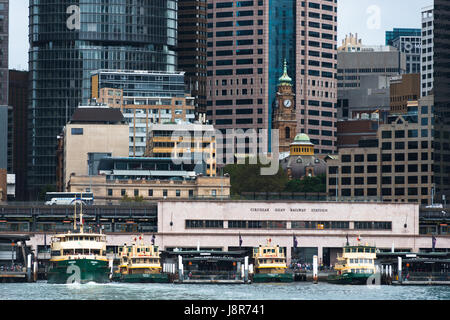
(55, 253)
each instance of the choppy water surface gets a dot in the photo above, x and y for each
(289, 291)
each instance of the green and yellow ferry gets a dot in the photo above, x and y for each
(355, 265)
(78, 256)
(270, 264)
(140, 262)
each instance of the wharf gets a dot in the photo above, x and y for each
(13, 276)
(421, 283)
(210, 281)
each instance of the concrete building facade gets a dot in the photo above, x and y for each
(397, 168)
(363, 79)
(109, 191)
(92, 133)
(195, 140)
(404, 88)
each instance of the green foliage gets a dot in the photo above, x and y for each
(308, 184)
(247, 178)
(126, 198)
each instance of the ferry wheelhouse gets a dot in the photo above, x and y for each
(140, 262)
(270, 264)
(78, 256)
(355, 265)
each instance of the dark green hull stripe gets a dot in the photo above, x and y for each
(349, 278)
(273, 277)
(143, 278)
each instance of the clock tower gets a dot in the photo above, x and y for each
(284, 118)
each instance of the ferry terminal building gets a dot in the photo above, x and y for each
(320, 228)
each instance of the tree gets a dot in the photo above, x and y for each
(308, 184)
(247, 178)
(126, 198)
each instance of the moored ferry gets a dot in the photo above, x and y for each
(78, 256)
(355, 265)
(270, 264)
(140, 262)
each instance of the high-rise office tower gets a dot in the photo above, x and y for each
(191, 50)
(248, 42)
(408, 41)
(67, 42)
(441, 90)
(5, 111)
(18, 100)
(426, 73)
(4, 36)
(316, 81)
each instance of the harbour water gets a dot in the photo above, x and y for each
(41, 290)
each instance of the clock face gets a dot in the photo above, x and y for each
(287, 103)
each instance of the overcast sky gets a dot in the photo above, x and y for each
(369, 18)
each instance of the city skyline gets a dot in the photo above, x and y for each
(353, 17)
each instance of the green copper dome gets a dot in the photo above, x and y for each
(302, 137)
(285, 79)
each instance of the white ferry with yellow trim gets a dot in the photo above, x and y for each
(355, 265)
(140, 262)
(270, 264)
(78, 256)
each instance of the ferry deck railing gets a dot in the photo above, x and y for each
(426, 276)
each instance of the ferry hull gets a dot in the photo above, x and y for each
(146, 278)
(349, 278)
(273, 277)
(79, 271)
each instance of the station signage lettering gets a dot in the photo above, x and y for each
(281, 210)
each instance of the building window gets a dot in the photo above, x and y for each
(77, 131)
(386, 134)
(123, 192)
(110, 192)
(150, 192)
(288, 132)
(177, 193)
(136, 192)
(164, 192)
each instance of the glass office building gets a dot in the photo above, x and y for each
(401, 32)
(282, 42)
(4, 36)
(440, 51)
(140, 83)
(70, 39)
